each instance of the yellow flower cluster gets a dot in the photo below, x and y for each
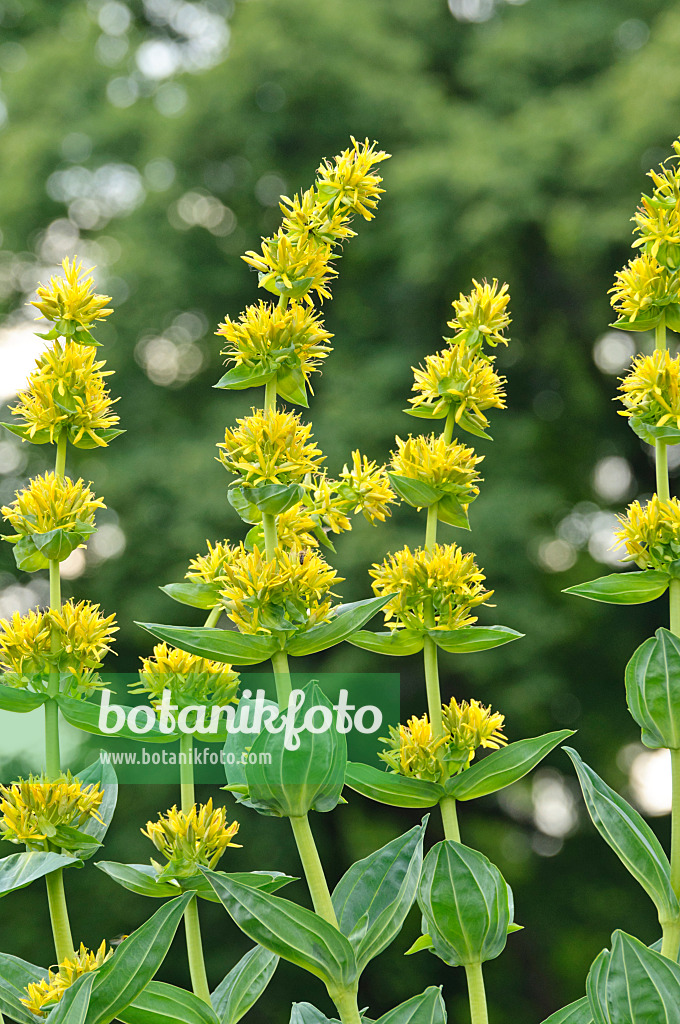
(296, 527)
(270, 447)
(33, 809)
(651, 390)
(84, 637)
(651, 533)
(289, 592)
(209, 568)
(41, 996)
(70, 301)
(435, 588)
(657, 219)
(459, 379)
(482, 315)
(367, 486)
(468, 726)
(190, 680)
(642, 289)
(51, 502)
(191, 840)
(451, 468)
(269, 339)
(414, 751)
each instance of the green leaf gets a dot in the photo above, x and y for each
(196, 595)
(289, 782)
(88, 443)
(20, 701)
(57, 545)
(575, 1013)
(133, 965)
(503, 767)
(238, 744)
(290, 931)
(633, 984)
(452, 512)
(20, 869)
(466, 904)
(642, 322)
(139, 878)
(291, 385)
(650, 433)
(248, 512)
(75, 1003)
(23, 431)
(629, 836)
(473, 638)
(273, 499)
(427, 1008)
(305, 1013)
(103, 774)
(398, 643)
(414, 492)
(166, 1004)
(393, 790)
(15, 976)
(421, 412)
(373, 897)
(225, 645)
(653, 689)
(84, 715)
(27, 556)
(624, 587)
(244, 985)
(348, 619)
(241, 377)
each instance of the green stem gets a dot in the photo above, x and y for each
(60, 462)
(447, 806)
(345, 1000)
(186, 771)
(192, 927)
(662, 486)
(476, 994)
(448, 426)
(270, 395)
(282, 678)
(314, 873)
(660, 335)
(670, 945)
(271, 539)
(61, 929)
(213, 618)
(431, 528)
(52, 750)
(434, 698)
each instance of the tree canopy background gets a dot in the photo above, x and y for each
(154, 140)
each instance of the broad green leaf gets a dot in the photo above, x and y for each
(399, 643)
(466, 904)
(20, 701)
(576, 1013)
(414, 492)
(373, 897)
(159, 1003)
(422, 412)
(348, 619)
(452, 512)
(393, 790)
(196, 595)
(473, 638)
(248, 512)
(641, 322)
(273, 499)
(291, 385)
(629, 836)
(74, 1004)
(624, 587)
(15, 976)
(22, 430)
(225, 645)
(139, 878)
(653, 689)
(237, 745)
(133, 965)
(305, 1013)
(241, 377)
(27, 556)
(20, 869)
(57, 545)
(293, 932)
(87, 442)
(103, 774)
(633, 984)
(244, 985)
(650, 433)
(84, 714)
(427, 1008)
(503, 767)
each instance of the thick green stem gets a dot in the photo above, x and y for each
(282, 678)
(434, 699)
(314, 873)
(660, 335)
(662, 487)
(345, 1000)
(192, 927)
(61, 929)
(448, 426)
(271, 539)
(431, 528)
(270, 395)
(213, 618)
(447, 806)
(670, 944)
(60, 462)
(52, 751)
(476, 994)
(186, 771)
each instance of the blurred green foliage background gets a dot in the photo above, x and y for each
(154, 139)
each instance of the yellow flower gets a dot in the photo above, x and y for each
(308, 215)
(329, 506)
(270, 447)
(460, 379)
(270, 340)
(33, 809)
(451, 468)
(51, 502)
(25, 645)
(658, 226)
(191, 680)
(85, 635)
(651, 391)
(414, 751)
(288, 593)
(70, 301)
(469, 726)
(349, 182)
(437, 588)
(191, 840)
(482, 314)
(295, 528)
(642, 289)
(67, 392)
(210, 568)
(367, 486)
(43, 995)
(651, 533)
(293, 269)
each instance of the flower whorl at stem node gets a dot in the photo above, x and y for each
(367, 487)
(460, 379)
(651, 533)
(43, 995)
(51, 502)
(481, 315)
(32, 809)
(270, 447)
(71, 303)
(190, 840)
(190, 679)
(451, 468)
(643, 291)
(651, 390)
(210, 568)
